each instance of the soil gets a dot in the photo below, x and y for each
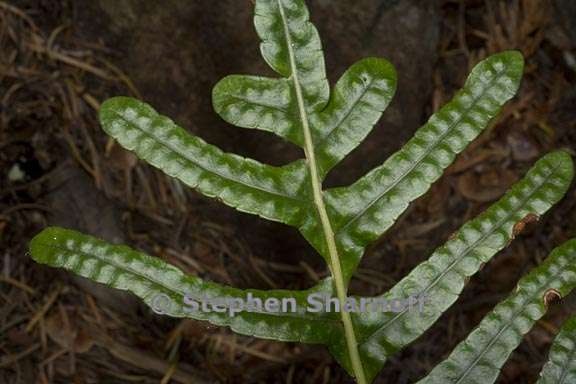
(59, 59)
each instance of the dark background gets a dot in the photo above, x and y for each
(60, 59)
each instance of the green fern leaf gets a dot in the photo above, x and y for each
(167, 290)
(561, 366)
(359, 98)
(270, 192)
(479, 358)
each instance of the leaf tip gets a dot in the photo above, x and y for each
(38, 245)
(563, 160)
(114, 103)
(111, 110)
(513, 55)
(514, 59)
(385, 70)
(508, 65)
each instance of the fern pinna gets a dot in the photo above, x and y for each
(340, 222)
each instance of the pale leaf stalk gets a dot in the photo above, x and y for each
(341, 286)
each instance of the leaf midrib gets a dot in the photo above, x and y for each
(336, 268)
(260, 103)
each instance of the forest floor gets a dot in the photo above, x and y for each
(59, 59)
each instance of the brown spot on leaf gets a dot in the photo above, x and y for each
(519, 226)
(551, 296)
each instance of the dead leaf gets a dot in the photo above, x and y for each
(487, 186)
(523, 147)
(68, 336)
